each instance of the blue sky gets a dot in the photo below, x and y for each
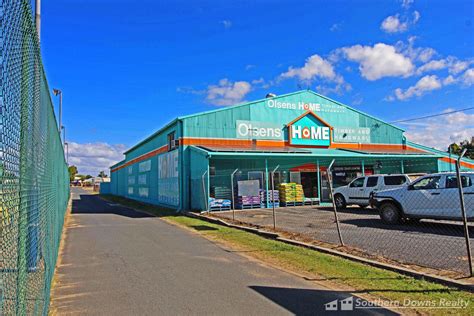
(128, 67)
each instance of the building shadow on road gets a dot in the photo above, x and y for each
(92, 204)
(315, 302)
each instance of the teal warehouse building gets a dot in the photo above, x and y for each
(292, 138)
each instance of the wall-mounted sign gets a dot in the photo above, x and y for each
(258, 130)
(310, 130)
(304, 106)
(168, 181)
(352, 135)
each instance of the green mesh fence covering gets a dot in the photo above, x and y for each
(34, 188)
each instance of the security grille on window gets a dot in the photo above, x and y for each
(171, 141)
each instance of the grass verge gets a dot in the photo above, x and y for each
(362, 279)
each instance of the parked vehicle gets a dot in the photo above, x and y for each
(360, 190)
(434, 196)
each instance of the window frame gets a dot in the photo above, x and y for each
(424, 188)
(363, 182)
(376, 182)
(171, 137)
(393, 176)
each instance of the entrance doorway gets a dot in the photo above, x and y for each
(309, 181)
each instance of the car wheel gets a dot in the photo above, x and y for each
(363, 206)
(390, 213)
(340, 202)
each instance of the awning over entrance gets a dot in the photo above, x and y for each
(295, 152)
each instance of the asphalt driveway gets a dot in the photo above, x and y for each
(117, 261)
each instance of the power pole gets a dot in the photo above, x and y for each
(38, 18)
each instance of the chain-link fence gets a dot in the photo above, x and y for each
(397, 210)
(34, 179)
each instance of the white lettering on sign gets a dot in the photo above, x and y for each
(313, 132)
(258, 130)
(305, 106)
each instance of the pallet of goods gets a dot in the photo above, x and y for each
(219, 204)
(268, 194)
(291, 194)
(224, 193)
(247, 202)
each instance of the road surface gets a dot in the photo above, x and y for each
(117, 261)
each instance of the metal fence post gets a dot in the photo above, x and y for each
(463, 210)
(273, 196)
(233, 196)
(329, 172)
(206, 197)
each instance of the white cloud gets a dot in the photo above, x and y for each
(379, 61)
(448, 80)
(453, 64)
(440, 132)
(399, 23)
(226, 23)
(335, 27)
(416, 16)
(407, 3)
(315, 66)
(250, 66)
(91, 158)
(424, 85)
(426, 54)
(456, 66)
(432, 65)
(468, 77)
(392, 24)
(227, 92)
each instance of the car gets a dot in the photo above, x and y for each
(433, 196)
(360, 190)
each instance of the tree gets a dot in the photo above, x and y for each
(102, 174)
(72, 172)
(465, 144)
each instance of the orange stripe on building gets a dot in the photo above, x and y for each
(150, 154)
(453, 161)
(264, 144)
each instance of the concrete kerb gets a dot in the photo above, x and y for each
(402, 270)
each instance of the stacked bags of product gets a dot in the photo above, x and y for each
(219, 203)
(287, 192)
(264, 194)
(299, 194)
(247, 201)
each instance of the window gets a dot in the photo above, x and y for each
(427, 183)
(131, 180)
(130, 190)
(130, 170)
(452, 182)
(372, 181)
(143, 192)
(171, 141)
(144, 166)
(142, 179)
(394, 180)
(357, 183)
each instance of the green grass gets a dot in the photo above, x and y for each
(363, 278)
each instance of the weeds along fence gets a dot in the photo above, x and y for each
(300, 202)
(34, 181)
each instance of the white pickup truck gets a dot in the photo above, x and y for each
(434, 196)
(360, 190)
